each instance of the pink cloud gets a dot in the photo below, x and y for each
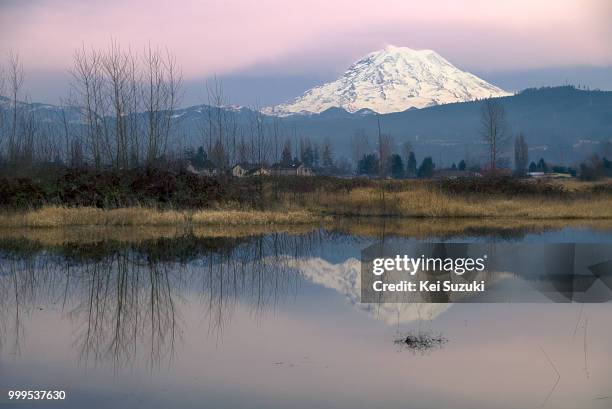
(213, 36)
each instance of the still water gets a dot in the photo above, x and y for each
(274, 321)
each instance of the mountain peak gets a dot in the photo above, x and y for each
(390, 80)
(391, 49)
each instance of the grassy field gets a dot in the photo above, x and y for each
(424, 201)
(57, 216)
(312, 201)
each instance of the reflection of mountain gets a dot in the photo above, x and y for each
(345, 279)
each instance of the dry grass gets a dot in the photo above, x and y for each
(413, 201)
(447, 227)
(252, 217)
(424, 201)
(137, 234)
(576, 185)
(53, 216)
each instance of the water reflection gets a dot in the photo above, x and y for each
(239, 319)
(125, 301)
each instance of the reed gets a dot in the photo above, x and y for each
(56, 216)
(424, 201)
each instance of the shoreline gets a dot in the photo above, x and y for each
(398, 206)
(363, 227)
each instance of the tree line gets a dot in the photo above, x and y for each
(126, 103)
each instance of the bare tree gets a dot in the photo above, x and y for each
(88, 86)
(276, 125)
(521, 154)
(2, 110)
(385, 149)
(258, 129)
(327, 157)
(406, 150)
(160, 92)
(219, 127)
(112, 88)
(117, 66)
(360, 145)
(494, 129)
(2, 79)
(16, 77)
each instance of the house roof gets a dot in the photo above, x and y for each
(248, 166)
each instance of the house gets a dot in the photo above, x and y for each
(202, 172)
(242, 169)
(551, 175)
(455, 174)
(293, 169)
(249, 169)
(261, 171)
(303, 170)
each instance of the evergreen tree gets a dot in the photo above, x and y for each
(308, 156)
(286, 154)
(533, 167)
(454, 167)
(316, 156)
(327, 158)
(200, 158)
(521, 155)
(368, 165)
(395, 166)
(411, 166)
(462, 165)
(218, 156)
(427, 168)
(607, 165)
(542, 166)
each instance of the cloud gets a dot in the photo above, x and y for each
(220, 37)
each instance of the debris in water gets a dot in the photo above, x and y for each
(421, 341)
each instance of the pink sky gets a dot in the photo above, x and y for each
(220, 37)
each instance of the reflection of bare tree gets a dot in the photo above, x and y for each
(128, 304)
(17, 294)
(125, 301)
(253, 273)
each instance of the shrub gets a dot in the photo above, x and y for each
(20, 192)
(505, 185)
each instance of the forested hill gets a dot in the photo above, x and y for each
(545, 115)
(555, 121)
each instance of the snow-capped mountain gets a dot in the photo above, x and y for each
(390, 80)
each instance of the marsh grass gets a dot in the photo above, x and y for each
(57, 216)
(137, 234)
(381, 199)
(425, 228)
(425, 201)
(252, 217)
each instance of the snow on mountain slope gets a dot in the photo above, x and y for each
(345, 279)
(391, 80)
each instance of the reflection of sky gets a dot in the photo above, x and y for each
(318, 352)
(312, 349)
